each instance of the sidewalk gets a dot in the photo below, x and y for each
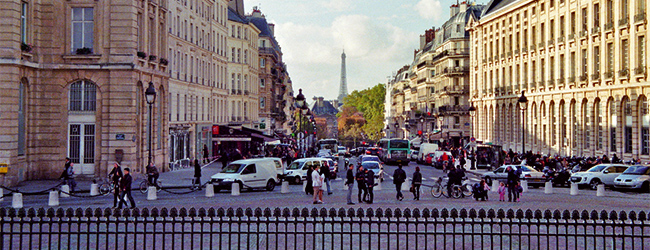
(171, 179)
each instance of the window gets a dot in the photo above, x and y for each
(596, 15)
(612, 126)
(645, 126)
(610, 57)
(598, 123)
(262, 63)
(82, 96)
(584, 62)
(262, 102)
(585, 20)
(640, 57)
(627, 113)
(624, 9)
(262, 84)
(23, 23)
(572, 64)
(82, 28)
(22, 94)
(624, 54)
(596, 60)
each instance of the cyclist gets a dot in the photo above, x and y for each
(115, 175)
(152, 175)
(455, 178)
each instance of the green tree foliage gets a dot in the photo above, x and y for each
(367, 103)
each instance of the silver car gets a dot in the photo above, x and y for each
(635, 177)
(599, 174)
(535, 178)
(376, 168)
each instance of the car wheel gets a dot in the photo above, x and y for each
(645, 187)
(297, 180)
(270, 185)
(488, 180)
(593, 184)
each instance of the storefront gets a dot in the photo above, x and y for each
(179, 144)
(249, 142)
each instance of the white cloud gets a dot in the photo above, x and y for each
(429, 9)
(338, 5)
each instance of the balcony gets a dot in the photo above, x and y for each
(595, 30)
(233, 118)
(455, 70)
(595, 77)
(516, 51)
(524, 49)
(551, 42)
(639, 71)
(560, 39)
(583, 78)
(572, 79)
(239, 91)
(453, 108)
(560, 81)
(533, 47)
(583, 33)
(572, 36)
(541, 45)
(623, 22)
(640, 18)
(551, 83)
(608, 75)
(234, 92)
(609, 26)
(246, 92)
(624, 73)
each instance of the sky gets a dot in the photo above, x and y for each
(378, 36)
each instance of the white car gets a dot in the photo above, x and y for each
(376, 168)
(599, 174)
(534, 177)
(635, 177)
(296, 172)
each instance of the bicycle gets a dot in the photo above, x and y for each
(106, 186)
(196, 183)
(439, 189)
(144, 185)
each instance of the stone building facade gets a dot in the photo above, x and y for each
(73, 82)
(582, 64)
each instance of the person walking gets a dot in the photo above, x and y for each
(309, 188)
(206, 156)
(417, 181)
(512, 180)
(125, 187)
(325, 170)
(370, 184)
(116, 175)
(317, 183)
(349, 181)
(399, 176)
(197, 173)
(68, 175)
(361, 184)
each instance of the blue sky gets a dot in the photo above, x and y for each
(379, 37)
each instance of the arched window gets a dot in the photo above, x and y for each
(82, 96)
(645, 125)
(629, 121)
(598, 124)
(586, 121)
(612, 124)
(22, 105)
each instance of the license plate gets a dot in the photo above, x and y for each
(574, 178)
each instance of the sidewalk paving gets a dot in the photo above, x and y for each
(171, 179)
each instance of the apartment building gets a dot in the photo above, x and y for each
(73, 84)
(582, 66)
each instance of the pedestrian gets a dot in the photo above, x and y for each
(512, 180)
(399, 176)
(481, 191)
(152, 174)
(502, 192)
(349, 181)
(417, 181)
(197, 173)
(454, 179)
(309, 188)
(317, 183)
(68, 175)
(125, 187)
(370, 184)
(361, 184)
(325, 170)
(206, 157)
(116, 175)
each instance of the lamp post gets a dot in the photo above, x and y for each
(523, 101)
(441, 118)
(396, 128)
(472, 113)
(150, 97)
(300, 103)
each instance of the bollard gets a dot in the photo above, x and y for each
(407, 185)
(324, 187)
(234, 190)
(17, 200)
(495, 186)
(524, 186)
(54, 199)
(377, 185)
(94, 189)
(574, 188)
(600, 191)
(285, 187)
(2, 196)
(65, 190)
(304, 186)
(345, 187)
(548, 187)
(209, 190)
(152, 193)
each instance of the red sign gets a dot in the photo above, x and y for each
(215, 129)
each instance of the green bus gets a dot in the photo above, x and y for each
(395, 150)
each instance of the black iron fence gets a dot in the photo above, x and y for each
(321, 229)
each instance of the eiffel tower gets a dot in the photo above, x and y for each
(343, 89)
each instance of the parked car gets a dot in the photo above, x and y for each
(635, 177)
(376, 168)
(429, 158)
(436, 161)
(365, 158)
(414, 155)
(334, 168)
(341, 150)
(535, 178)
(250, 174)
(296, 172)
(373, 151)
(599, 174)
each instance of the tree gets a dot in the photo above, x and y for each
(367, 103)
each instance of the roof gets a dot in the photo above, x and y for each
(495, 5)
(233, 16)
(265, 31)
(326, 109)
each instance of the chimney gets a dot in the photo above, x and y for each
(320, 101)
(430, 34)
(463, 7)
(272, 28)
(423, 41)
(453, 10)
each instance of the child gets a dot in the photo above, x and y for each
(502, 192)
(519, 190)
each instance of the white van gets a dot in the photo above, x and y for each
(250, 174)
(279, 166)
(425, 149)
(296, 172)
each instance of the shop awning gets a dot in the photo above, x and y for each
(231, 139)
(263, 137)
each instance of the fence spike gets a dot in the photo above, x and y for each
(472, 213)
(230, 212)
(164, 212)
(529, 214)
(436, 214)
(584, 215)
(416, 213)
(314, 212)
(462, 213)
(89, 212)
(370, 213)
(173, 212)
(212, 212)
(613, 215)
(135, 212)
(145, 212)
(557, 214)
(501, 214)
(398, 213)
(248, 212)
(426, 213)
(41, 212)
(202, 212)
(360, 213)
(407, 213)
(379, 212)
(192, 212)
(350, 212)
(155, 212)
(31, 212)
(575, 215)
(286, 212)
(323, 212)
(603, 215)
(491, 214)
(3, 212)
(594, 215)
(388, 213)
(332, 212)
(117, 213)
(444, 213)
(519, 214)
(341, 212)
(510, 214)
(258, 212)
(79, 212)
(538, 214)
(642, 216)
(548, 214)
(304, 212)
(221, 212)
(295, 212)
(453, 213)
(60, 212)
(239, 212)
(622, 215)
(22, 213)
(566, 215)
(632, 215)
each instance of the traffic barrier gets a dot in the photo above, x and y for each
(548, 187)
(54, 198)
(234, 191)
(495, 186)
(209, 190)
(574, 188)
(285, 187)
(65, 190)
(600, 191)
(377, 185)
(152, 193)
(17, 200)
(524, 186)
(94, 189)
(407, 185)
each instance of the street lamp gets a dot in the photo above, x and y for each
(150, 97)
(523, 101)
(441, 119)
(472, 113)
(300, 104)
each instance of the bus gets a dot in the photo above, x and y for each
(395, 150)
(329, 144)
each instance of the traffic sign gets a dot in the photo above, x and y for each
(472, 139)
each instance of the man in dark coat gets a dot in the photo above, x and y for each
(370, 184)
(361, 183)
(511, 182)
(417, 181)
(197, 173)
(116, 176)
(399, 176)
(349, 181)
(125, 186)
(325, 170)
(309, 189)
